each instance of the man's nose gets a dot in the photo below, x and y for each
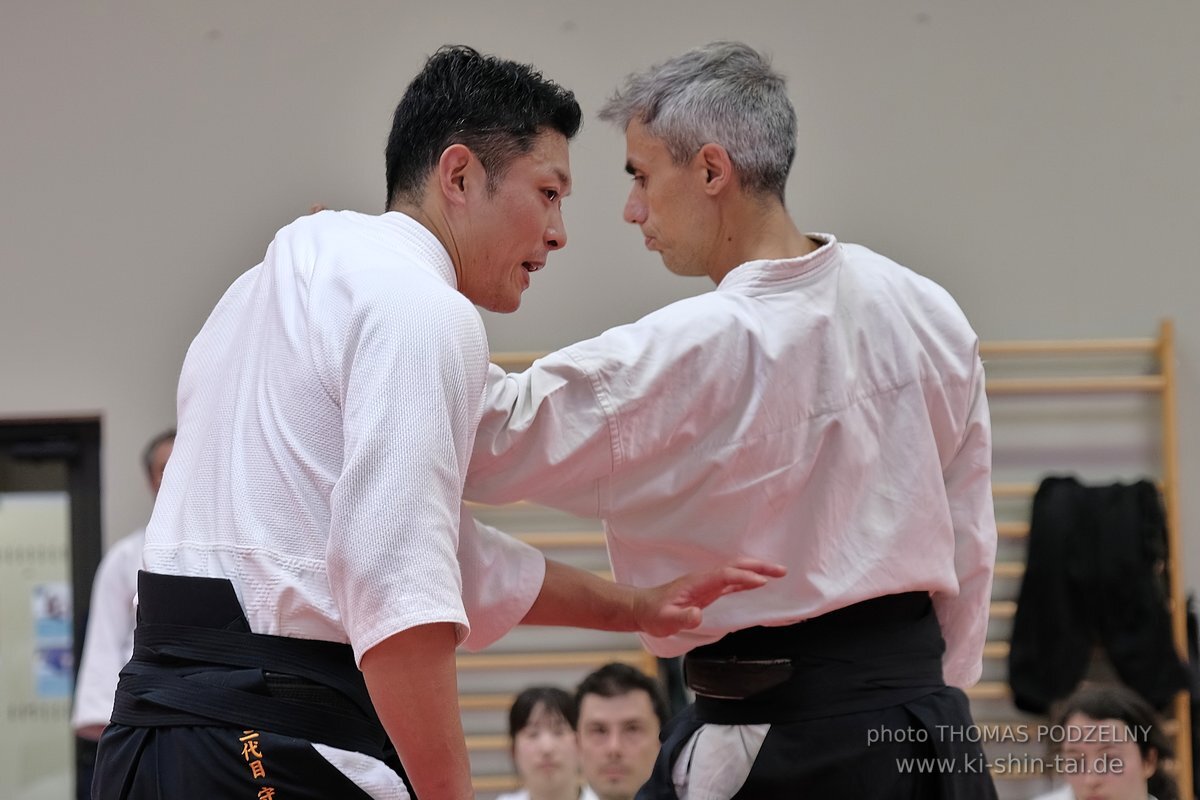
(635, 209)
(556, 233)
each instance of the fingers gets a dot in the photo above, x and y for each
(680, 603)
(735, 579)
(691, 618)
(768, 568)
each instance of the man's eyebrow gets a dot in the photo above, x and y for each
(563, 178)
(629, 168)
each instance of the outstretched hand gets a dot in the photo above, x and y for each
(679, 605)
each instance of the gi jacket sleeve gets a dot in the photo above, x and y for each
(407, 369)
(968, 478)
(545, 435)
(501, 576)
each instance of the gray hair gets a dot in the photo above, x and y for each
(724, 92)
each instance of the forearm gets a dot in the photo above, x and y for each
(581, 599)
(571, 596)
(413, 684)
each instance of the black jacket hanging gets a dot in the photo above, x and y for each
(1093, 575)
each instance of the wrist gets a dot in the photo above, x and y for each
(641, 611)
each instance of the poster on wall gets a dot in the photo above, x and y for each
(36, 742)
(54, 658)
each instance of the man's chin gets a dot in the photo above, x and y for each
(506, 305)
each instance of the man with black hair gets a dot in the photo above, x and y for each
(620, 711)
(312, 522)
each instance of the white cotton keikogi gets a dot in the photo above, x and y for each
(326, 414)
(826, 412)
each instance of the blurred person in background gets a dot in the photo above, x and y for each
(1113, 748)
(108, 642)
(541, 726)
(621, 712)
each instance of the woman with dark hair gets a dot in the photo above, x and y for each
(541, 724)
(1113, 748)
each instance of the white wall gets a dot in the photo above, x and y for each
(1038, 158)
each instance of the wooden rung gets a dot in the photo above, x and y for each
(589, 658)
(1009, 569)
(495, 783)
(1032, 347)
(1012, 530)
(584, 539)
(485, 702)
(487, 741)
(520, 504)
(1009, 490)
(1116, 383)
(515, 360)
(996, 649)
(568, 539)
(1026, 490)
(989, 690)
(1067, 347)
(1004, 609)
(595, 539)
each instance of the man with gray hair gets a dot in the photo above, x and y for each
(823, 407)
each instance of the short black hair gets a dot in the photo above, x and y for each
(495, 107)
(1113, 701)
(148, 451)
(555, 700)
(616, 679)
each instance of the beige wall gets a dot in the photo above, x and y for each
(1040, 159)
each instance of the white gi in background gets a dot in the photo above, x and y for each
(827, 412)
(337, 515)
(585, 793)
(108, 642)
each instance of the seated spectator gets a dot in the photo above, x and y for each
(541, 725)
(620, 713)
(1113, 748)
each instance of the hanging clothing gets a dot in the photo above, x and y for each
(1094, 575)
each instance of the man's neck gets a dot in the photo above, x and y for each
(431, 217)
(754, 230)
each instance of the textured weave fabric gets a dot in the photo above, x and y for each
(826, 411)
(326, 414)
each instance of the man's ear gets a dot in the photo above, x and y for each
(718, 169)
(454, 171)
